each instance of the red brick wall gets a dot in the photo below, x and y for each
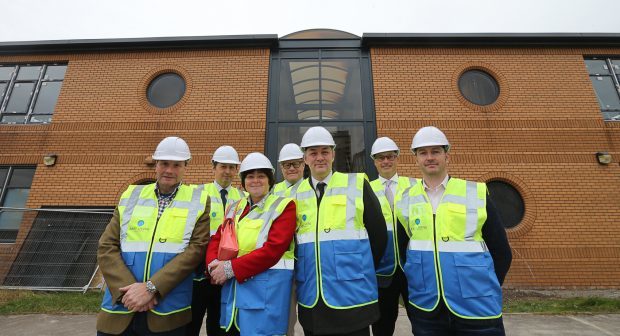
(103, 128)
(541, 135)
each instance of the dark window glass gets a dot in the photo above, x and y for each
(320, 90)
(508, 201)
(15, 195)
(606, 92)
(349, 140)
(29, 73)
(55, 72)
(47, 97)
(13, 119)
(166, 90)
(3, 173)
(613, 115)
(6, 73)
(21, 178)
(479, 87)
(3, 87)
(14, 198)
(597, 67)
(20, 98)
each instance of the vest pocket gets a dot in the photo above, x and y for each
(253, 293)
(415, 271)
(473, 273)
(128, 257)
(349, 266)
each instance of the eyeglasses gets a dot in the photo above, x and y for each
(294, 164)
(389, 157)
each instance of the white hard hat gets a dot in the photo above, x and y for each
(384, 144)
(429, 136)
(173, 149)
(226, 154)
(255, 161)
(317, 136)
(290, 151)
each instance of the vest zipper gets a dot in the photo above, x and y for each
(150, 253)
(317, 252)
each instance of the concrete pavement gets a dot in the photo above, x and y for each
(516, 325)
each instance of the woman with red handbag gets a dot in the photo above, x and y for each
(251, 255)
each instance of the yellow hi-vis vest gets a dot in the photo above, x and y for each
(390, 259)
(284, 190)
(148, 244)
(447, 258)
(260, 305)
(217, 208)
(333, 251)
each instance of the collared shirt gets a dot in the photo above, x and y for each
(394, 184)
(315, 182)
(164, 200)
(435, 194)
(219, 187)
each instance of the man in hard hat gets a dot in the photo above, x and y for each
(292, 165)
(457, 252)
(206, 296)
(150, 249)
(390, 277)
(340, 238)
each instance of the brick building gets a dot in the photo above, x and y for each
(526, 113)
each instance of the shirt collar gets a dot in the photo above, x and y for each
(171, 195)
(393, 179)
(219, 187)
(443, 183)
(325, 180)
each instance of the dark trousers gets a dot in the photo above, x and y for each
(446, 324)
(361, 332)
(139, 327)
(199, 307)
(389, 303)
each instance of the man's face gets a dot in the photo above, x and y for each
(386, 163)
(292, 170)
(169, 173)
(224, 173)
(319, 159)
(432, 160)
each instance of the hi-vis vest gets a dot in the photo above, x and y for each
(148, 244)
(282, 189)
(333, 251)
(217, 208)
(260, 305)
(387, 265)
(449, 256)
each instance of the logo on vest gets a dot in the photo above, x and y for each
(417, 221)
(213, 214)
(139, 226)
(140, 223)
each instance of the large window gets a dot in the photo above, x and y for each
(322, 85)
(28, 93)
(14, 189)
(605, 77)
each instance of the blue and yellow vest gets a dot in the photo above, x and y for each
(447, 258)
(260, 305)
(282, 189)
(147, 244)
(388, 263)
(333, 251)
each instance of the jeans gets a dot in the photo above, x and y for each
(449, 325)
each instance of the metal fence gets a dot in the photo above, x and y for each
(60, 251)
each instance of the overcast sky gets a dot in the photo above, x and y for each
(32, 20)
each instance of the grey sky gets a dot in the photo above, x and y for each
(31, 20)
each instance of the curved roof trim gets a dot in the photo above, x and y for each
(320, 34)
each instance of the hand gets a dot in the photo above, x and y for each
(218, 276)
(150, 305)
(136, 297)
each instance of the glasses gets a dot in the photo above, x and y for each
(294, 164)
(389, 157)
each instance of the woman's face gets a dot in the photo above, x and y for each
(257, 185)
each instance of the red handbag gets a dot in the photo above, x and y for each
(229, 247)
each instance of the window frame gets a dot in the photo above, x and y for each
(333, 50)
(29, 114)
(615, 78)
(5, 186)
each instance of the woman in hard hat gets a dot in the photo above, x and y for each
(257, 283)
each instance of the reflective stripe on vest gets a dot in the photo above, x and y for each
(387, 264)
(332, 240)
(147, 243)
(453, 242)
(261, 304)
(217, 208)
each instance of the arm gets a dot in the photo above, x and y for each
(214, 244)
(111, 263)
(494, 236)
(278, 241)
(374, 223)
(169, 276)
